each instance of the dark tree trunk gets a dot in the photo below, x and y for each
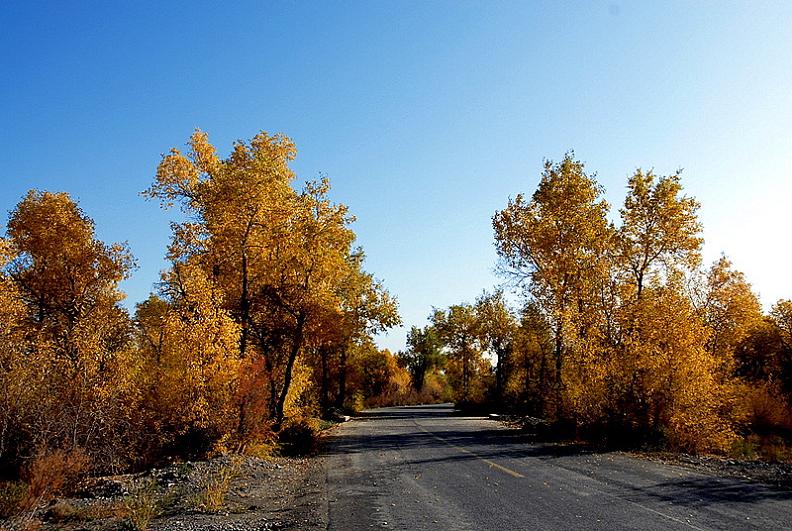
(325, 388)
(287, 377)
(244, 307)
(342, 379)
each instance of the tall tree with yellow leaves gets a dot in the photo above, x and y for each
(667, 384)
(730, 309)
(280, 257)
(555, 246)
(76, 361)
(659, 227)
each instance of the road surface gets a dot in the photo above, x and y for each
(423, 467)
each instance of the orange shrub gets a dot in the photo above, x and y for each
(55, 473)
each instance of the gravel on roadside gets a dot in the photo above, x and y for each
(226, 493)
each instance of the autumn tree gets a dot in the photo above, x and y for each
(554, 247)
(730, 310)
(663, 383)
(781, 319)
(14, 390)
(497, 329)
(237, 208)
(366, 308)
(191, 362)
(532, 360)
(635, 358)
(76, 363)
(67, 278)
(376, 378)
(424, 353)
(458, 329)
(281, 257)
(659, 226)
(668, 383)
(150, 316)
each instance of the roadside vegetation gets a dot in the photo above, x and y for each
(260, 332)
(621, 336)
(261, 325)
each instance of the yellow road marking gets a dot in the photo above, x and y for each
(492, 464)
(518, 475)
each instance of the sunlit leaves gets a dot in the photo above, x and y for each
(634, 357)
(69, 368)
(659, 226)
(281, 259)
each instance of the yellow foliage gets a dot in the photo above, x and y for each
(68, 370)
(297, 403)
(197, 366)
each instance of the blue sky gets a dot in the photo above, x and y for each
(425, 115)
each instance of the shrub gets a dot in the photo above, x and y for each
(254, 428)
(768, 410)
(13, 495)
(68, 511)
(142, 506)
(298, 436)
(53, 474)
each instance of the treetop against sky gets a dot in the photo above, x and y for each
(426, 117)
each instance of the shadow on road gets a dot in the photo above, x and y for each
(410, 412)
(704, 491)
(408, 423)
(419, 431)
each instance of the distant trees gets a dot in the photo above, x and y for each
(469, 345)
(497, 329)
(424, 353)
(457, 327)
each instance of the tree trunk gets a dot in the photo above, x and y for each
(325, 389)
(559, 366)
(287, 377)
(465, 373)
(500, 371)
(244, 307)
(342, 379)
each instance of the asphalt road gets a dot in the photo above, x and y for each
(423, 467)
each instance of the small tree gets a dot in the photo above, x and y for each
(424, 353)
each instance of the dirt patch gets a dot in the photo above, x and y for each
(777, 474)
(226, 493)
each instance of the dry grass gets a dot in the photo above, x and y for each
(214, 486)
(768, 448)
(142, 506)
(263, 450)
(66, 511)
(13, 495)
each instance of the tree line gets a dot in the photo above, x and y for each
(264, 317)
(621, 335)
